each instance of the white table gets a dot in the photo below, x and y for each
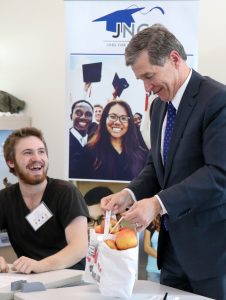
(143, 290)
(52, 279)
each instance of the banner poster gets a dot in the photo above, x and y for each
(104, 144)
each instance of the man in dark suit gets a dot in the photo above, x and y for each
(185, 176)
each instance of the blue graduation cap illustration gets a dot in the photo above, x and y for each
(119, 85)
(118, 16)
(92, 72)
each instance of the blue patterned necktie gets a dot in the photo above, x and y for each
(171, 116)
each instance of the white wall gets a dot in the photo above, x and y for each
(32, 66)
(212, 42)
(32, 61)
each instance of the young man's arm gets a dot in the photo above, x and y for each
(77, 238)
(3, 265)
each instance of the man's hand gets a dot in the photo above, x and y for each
(27, 265)
(143, 212)
(87, 86)
(118, 202)
(4, 268)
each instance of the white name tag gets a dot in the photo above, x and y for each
(39, 216)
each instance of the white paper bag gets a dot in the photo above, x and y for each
(91, 256)
(114, 271)
(118, 270)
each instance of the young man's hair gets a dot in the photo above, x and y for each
(139, 114)
(14, 137)
(80, 102)
(98, 105)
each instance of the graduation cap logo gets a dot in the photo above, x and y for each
(119, 85)
(118, 16)
(92, 72)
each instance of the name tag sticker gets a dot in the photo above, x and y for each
(39, 216)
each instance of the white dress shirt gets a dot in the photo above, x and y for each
(176, 102)
(82, 139)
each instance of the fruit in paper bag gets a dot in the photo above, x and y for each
(99, 229)
(126, 238)
(112, 224)
(111, 244)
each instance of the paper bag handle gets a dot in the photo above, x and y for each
(107, 224)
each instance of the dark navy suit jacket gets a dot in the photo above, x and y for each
(192, 185)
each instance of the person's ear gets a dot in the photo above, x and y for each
(175, 57)
(10, 163)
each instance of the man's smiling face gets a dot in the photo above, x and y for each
(31, 160)
(161, 80)
(82, 117)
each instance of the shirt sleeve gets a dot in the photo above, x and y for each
(71, 205)
(164, 211)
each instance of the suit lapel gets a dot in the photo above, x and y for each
(156, 128)
(185, 109)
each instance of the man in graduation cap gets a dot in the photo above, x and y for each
(81, 116)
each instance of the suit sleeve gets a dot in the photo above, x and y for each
(146, 184)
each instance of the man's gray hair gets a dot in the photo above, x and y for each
(158, 41)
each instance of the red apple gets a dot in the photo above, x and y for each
(112, 224)
(111, 244)
(123, 228)
(99, 229)
(126, 238)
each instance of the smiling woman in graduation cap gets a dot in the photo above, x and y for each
(114, 152)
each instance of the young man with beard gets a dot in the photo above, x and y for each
(81, 116)
(46, 218)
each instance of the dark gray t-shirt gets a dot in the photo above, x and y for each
(64, 201)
